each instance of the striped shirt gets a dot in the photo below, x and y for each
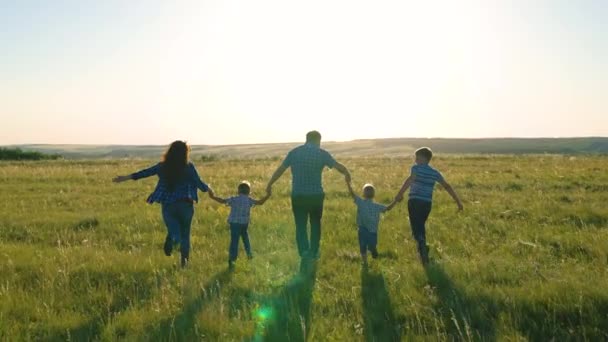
(424, 183)
(185, 189)
(307, 163)
(240, 209)
(368, 214)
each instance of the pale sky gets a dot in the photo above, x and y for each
(228, 71)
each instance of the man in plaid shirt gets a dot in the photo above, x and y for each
(307, 163)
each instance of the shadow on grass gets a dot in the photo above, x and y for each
(378, 315)
(286, 317)
(183, 327)
(464, 317)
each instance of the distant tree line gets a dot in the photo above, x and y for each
(19, 154)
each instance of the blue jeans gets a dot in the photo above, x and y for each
(419, 212)
(367, 241)
(305, 208)
(178, 219)
(238, 231)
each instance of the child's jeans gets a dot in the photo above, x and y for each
(238, 231)
(178, 219)
(419, 211)
(367, 241)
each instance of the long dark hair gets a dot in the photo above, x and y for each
(174, 162)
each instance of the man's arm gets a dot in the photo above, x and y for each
(275, 177)
(215, 198)
(343, 170)
(452, 193)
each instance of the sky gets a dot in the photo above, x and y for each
(242, 71)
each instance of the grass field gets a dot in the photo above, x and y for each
(81, 258)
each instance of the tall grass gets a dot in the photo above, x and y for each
(81, 258)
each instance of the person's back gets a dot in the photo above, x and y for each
(423, 185)
(307, 163)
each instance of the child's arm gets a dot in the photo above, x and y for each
(404, 187)
(350, 190)
(262, 200)
(452, 193)
(392, 204)
(215, 198)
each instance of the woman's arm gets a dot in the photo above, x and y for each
(197, 179)
(151, 171)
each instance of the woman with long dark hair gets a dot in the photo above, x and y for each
(176, 191)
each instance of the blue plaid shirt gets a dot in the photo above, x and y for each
(185, 189)
(240, 209)
(307, 163)
(368, 214)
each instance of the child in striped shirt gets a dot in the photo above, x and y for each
(368, 219)
(421, 183)
(239, 218)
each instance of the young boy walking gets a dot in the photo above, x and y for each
(239, 218)
(422, 181)
(368, 219)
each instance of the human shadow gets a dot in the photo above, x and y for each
(183, 326)
(287, 317)
(464, 317)
(378, 315)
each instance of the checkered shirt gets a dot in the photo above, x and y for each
(307, 163)
(368, 214)
(185, 189)
(240, 209)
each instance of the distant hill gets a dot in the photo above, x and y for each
(398, 147)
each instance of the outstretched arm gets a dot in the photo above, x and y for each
(262, 200)
(275, 177)
(392, 204)
(343, 170)
(151, 171)
(215, 198)
(404, 187)
(452, 193)
(350, 190)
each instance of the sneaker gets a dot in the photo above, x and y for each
(168, 247)
(231, 265)
(184, 262)
(250, 256)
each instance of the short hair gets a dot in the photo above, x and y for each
(369, 186)
(244, 188)
(424, 152)
(313, 136)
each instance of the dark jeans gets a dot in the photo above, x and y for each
(367, 241)
(178, 219)
(238, 231)
(305, 208)
(419, 211)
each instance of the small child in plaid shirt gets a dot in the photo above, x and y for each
(239, 218)
(368, 219)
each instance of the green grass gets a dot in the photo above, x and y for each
(81, 258)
